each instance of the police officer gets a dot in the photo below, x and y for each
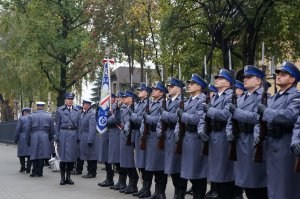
(89, 140)
(115, 127)
(79, 163)
(154, 156)
(212, 193)
(193, 165)
(136, 118)
(220, 169)
(172, 161)
(126, 147)
(67, 137)
(239, 88)
(248, 174)
(23, 148)
(281, 114)
(107, 154)
(39, 134)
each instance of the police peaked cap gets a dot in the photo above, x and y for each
(40, 103)
(160, 86)
(120, 94)
(86, 101)
(226, 74)
(129, 93)
(250, 70)
(27, 109)
(144, 88)
(69, 95)
(175, 82)
(291, 69)
(197, 79)
(240, 85)
(212, 88)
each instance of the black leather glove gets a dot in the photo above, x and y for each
(179, 113)
(16, 141)
(261, 108)
(232, 108)
(206, 107)
(90, 144)
(145, 115)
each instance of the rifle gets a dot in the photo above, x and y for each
(146, 126)
(273, 74)
(297, 165)
(161, 143)
(207, 128)
(234, 122)
(258, 153)
(181, 127)
(128, 141)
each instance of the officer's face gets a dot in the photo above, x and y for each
(156, 93)
(252, 82)
(127, 100)
(221, 83)
(142, 94)
(173, 90)
(113, 100)
(193, 87)
(284, 79)
(69, 102)
(85, 106)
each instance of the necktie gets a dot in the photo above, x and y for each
(169, 102)
(278, 96)
(217, 96)
(246, 96)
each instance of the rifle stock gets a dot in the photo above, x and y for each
(258, 153)
(178, 149)
(161, 143)
(235, 130)
(128, 141)
(297, 165)
(205, 149)
(146, 127)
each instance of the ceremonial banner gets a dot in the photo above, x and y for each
(104, 103)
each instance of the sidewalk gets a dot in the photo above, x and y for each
(15, 185)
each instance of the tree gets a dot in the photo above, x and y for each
(57, 38)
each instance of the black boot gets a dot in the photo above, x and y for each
(132, 186)
(161, 192)
(28, 165)
(180, 194)
(62, 178)
(22, 162)
(108, 181)
(155, 194)
(68, 178)
(212, 193)
(140, 191)
(121, 183)
(147, 192)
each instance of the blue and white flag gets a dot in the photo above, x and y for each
(104, 103)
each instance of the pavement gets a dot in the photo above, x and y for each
(15, 185)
